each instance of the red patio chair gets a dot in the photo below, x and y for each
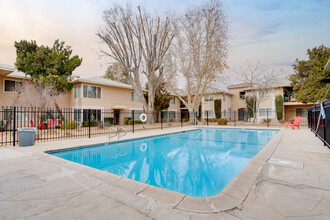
(295, 123)
(51, 123)
(39, 126)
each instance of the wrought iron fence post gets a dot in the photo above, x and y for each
(194, 116)
(89, 123)
(235, 118)
(267, 118)
(14, 127)
(161, 120)
(133, 120)
(207, 118)
(324, 132)
(181, 119)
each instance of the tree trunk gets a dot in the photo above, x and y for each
(59, 111)
(151, 100)
(191, 115)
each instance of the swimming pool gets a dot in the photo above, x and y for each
(198, 163)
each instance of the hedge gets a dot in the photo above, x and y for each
(279, 107)
(217, 108)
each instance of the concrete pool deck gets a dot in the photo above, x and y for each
(293, 184)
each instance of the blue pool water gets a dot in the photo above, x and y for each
(198, 163)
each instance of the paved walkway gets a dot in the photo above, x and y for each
(294, 184)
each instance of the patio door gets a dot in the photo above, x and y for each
(241, 114)
(116, 116)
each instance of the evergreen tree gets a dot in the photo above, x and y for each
(217, 108)
(311, 82)
(47, 66)
(279, 107)
(115, 73)
(162, 98)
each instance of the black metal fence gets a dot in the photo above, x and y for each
(319, 125)
(66, 123)
(58, 124)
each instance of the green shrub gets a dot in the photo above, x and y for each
(251, 103)
(217, 108)
(93, 123)
(291, 121)
(279, 106)
(267, 120)
(127, 121)
(222, 121)
(69, 125)
(212, 120)
(108, 120)
(2, 124)
(185, 120)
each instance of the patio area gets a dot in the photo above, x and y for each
(288, 179)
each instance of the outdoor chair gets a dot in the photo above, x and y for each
(295, 123)
(51, 123)
(39, 126)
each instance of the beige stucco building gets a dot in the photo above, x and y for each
(106, 98)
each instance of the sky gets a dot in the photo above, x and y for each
(273, 32)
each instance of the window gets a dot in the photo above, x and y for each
(77, 115)
(209, 114)
(172, 101)
(134, 97)
(224, 113)
(265, 94)
(19, 115)
(208, 98)
(95, 115)
(302, 112)
(171, 114)
(12, 85)
(77, 91)
(137, 114)
(242, 95)
(92, 92)
(164, 114)
(263, 112)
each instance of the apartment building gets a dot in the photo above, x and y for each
(292, 108)
(95, 93)
(99, 94)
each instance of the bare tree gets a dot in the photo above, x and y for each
(199, 54)
(34, 96)
(260, 79)
(139, 42)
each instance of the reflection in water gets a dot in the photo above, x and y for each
(197, 163)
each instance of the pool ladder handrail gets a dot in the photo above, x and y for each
(197, 122)
(116, 132)
(118, 129)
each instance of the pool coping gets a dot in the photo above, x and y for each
(231, 197)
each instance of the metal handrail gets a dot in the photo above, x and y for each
(119, 131)
(198, 122)
(116, 131)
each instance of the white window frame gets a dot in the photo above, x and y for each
(87, 91)
(135, 95)
(169, 114)
(81, 91)
(211, 114)
(138, 112)
(173, 98)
